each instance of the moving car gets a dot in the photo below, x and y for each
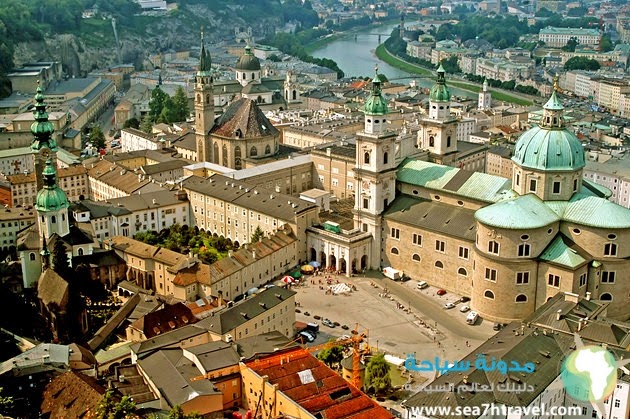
(464, 309)
(448, 306)
(441, 292)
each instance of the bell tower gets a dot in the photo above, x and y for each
(485, 98)
(375, 170)
(204, 105)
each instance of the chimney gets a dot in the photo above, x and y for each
(580, 325)
(559, 315)
(588, 296)
(328, 151)
(254, 254)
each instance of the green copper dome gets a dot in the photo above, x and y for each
(550, 146)
(248, 62)
(42, 129)
(376, 103)
(51, 197)
(439, 92)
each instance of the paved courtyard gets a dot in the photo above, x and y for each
(399, 318)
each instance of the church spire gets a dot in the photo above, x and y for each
(553, 110)
(42, 129)
(204, 59)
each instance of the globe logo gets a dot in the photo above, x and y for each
(589, 374)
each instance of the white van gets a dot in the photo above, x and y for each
(472, 317)
(422, 285)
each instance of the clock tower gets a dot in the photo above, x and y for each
(375, 170)
(43, 144)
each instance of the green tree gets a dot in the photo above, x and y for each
(156, 103)
(606, 44)
(450, 65)
(572, 43)
(581, 63)
(180, 104)
(331, 356)
(377, 379)
(132, 123)
(6, 403)
(97, 138)
(109, 408)
(147, 124)
(258, 234)
(178, 413)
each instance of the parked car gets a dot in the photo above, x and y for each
(308, 335)
(448, 306)
(328, 323)
(496, 326)
(472, 317)
(441, 292)
(464, 309)
(422, 285)
(464, 299)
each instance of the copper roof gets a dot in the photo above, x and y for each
(328, 395)
(243, 119)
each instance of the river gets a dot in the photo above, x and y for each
(354, 53)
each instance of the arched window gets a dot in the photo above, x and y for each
(366, 158)
(439, 265)
(31, 256)
(416, 257)
(252, 76)
(80, 252)
(237, 157)
(207, 99)
(225, 155)
(385, 157)
(53, 219)
(606, 297)
(198, 98)
(610, 249)
(294, 95)
(394, 251)
(489, 294)
(521, 298)
(462, 271)
(216, 153)
(267, 149)
(253, 152)
(431, 141)
(448, 141)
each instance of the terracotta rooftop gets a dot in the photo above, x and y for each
(327, 395)
(71, 395)
(169, 318)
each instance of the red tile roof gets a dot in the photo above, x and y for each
(329, 394)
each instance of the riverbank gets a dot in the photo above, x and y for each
(322, 42)
(383, 54)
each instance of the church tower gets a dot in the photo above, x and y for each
(485, 98)
(375, 170)
(52, 205)
(43, 143)
(438, 132)
(291, 88)
(204, 105)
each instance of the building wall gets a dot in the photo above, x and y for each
(498, 165)
(280, 318)
(334, 174)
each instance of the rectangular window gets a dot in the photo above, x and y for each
(575, 185)
(395, 233)
(491, 275)
(463, 252)
(523, 249)
(556, 187)
(610, 249)
(440, 246)
(522, 278)
(532, 185)
(553, 280)
(416, 239)
(582, 279)
(493, 247)
(608, 277)
(518, 179)
(366, 203)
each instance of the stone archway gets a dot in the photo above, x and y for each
(322, 259)
(313, 254)
(343, 265)
(353, 266)
(364, 262)
(333, 261)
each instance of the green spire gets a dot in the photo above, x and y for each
(554, 104)
(204, 60)
(42, 129)
(439, 92)
(376, 103)
(51, 197)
